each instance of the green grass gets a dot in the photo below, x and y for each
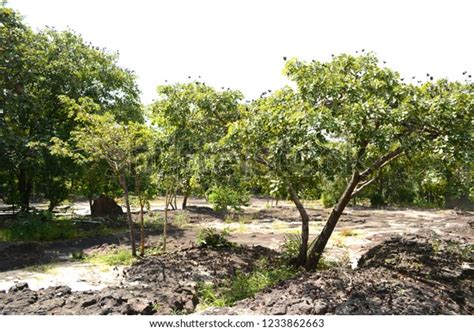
(243, 285)
(44, 227)
(180, 219)
(121, 256)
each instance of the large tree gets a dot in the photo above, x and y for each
(191, 118)
(101, 137)
(37, 68)
(377, 118)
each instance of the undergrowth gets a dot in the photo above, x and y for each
(42, 226)
(121, 256)
(243, 285)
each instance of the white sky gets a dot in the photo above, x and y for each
(240, 43)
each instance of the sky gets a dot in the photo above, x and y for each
(240, 44)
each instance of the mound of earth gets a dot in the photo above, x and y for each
(401, 276)
(156, 285)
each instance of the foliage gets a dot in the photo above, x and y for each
(119, 256)
(211, 238)
(222, 198)
(42, 226)
(37, 69)
(244, 285)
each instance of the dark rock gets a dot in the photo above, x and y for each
(104, 206)
(19, 287)
(88, 302)
(320, 307)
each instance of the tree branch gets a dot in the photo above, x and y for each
(382, 162)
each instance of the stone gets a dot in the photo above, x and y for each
(279, 310)
(105, 206)
(19, 287)
(88, 302)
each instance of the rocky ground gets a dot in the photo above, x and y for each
(404, 275)
(409, 262)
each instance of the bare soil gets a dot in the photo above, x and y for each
(405, 258)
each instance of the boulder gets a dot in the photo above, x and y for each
(105, 206)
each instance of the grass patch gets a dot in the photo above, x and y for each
(180, 219)
(44, 227)
(243, 285)
(120, 256)
(47, 268)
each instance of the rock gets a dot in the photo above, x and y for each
(138, 306)
(279, 309)
(104, 206)
(88, 302)
(320, 307)
(19, 287)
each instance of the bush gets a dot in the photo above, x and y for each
(328, 199)
(40, 227)
(223, 198)
(209, 237)
(290, 249)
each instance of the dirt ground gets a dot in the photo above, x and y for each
(372, 241)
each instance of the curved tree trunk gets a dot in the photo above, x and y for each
(304, 226)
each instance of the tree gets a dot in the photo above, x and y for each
(372, 114)
(37, 68)
(191, 117)
(102, 137)
(278, 140)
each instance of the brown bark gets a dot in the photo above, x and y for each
(304, 226)
(357, 183)
(185, 201)
(123, 182)
(318, 248)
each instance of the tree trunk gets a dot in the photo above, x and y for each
(318, 248)
(185, 201)
(24, 188)
(123, 182)
(165, 225)
(304, 226)
(142, 231)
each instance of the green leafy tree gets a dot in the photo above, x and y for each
(101, 137)
(38, 68)
(191, 117)
(278, 139)
(378, 118)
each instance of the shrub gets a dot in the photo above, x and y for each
(209, 237)
(223, 198)
(328, 199)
